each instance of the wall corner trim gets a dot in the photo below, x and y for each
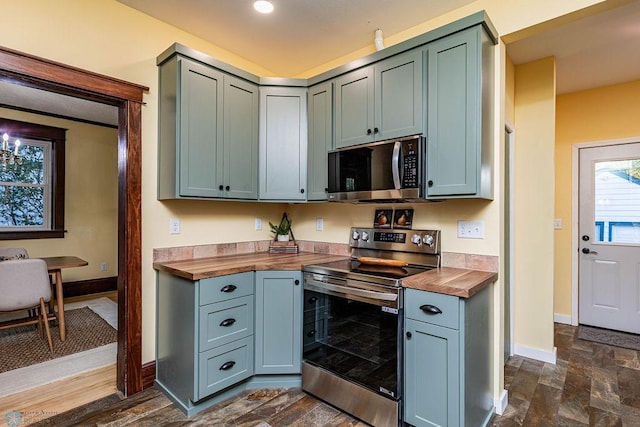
(562, 318)
(500, 403)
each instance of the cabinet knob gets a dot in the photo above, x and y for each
(312, 300)
(368, 131)
(228, 365)
(296, 282)
(228, 288)
(430, 183)
(227, 188)
(326, 189)
(375, 130)
(302, 190)
(220, 187)
(409, 335)
(227, 322)
(311, 333)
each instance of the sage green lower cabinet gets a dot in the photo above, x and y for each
(278, 322)
(204, 337)
(447, 359)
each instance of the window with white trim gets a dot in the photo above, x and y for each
(32, 193)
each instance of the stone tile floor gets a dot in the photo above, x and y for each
(590, 385)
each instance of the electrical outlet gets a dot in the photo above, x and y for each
(174, 226)
(471, 229)
(103, 266)
(258, 225)
(319, 224)
(557, 224)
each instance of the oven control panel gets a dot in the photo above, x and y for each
(419, 241)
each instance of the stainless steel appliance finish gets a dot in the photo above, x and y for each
(352, 332)
(391, 170)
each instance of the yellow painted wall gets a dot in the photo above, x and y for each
(601, 114)
(91, 198)
(534, 104)
(110, 38)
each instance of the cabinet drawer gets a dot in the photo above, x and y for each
(224, 366)
(448, 305)
(223, 288)
(226, 321)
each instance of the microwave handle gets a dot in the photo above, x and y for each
(395, 165)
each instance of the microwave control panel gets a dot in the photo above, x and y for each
(410, 160)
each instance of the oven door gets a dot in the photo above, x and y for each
(353, 330)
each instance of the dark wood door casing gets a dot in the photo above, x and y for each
(29, 70)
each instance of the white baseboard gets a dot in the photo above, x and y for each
(536, 353)
(501, 403)
(562, 318)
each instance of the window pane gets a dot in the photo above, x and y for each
(32, 169)
(617, 201)
(21, 206)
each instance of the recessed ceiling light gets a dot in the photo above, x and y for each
(263, 6)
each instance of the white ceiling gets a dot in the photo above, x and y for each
(302, 34)
(595, 51)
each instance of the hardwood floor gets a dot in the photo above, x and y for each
(591, 385)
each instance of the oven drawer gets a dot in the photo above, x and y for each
(224, 366)
(216, 289)
(434, 308)
(225, 321)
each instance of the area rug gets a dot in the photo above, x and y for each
(23, 346)
(609, 337)
(66, 366)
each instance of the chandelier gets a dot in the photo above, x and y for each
(8, 156)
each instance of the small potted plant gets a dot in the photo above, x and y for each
(281, 231)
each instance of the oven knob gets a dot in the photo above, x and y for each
(428, 240)
(416, 239)
(355, 235)
(365, 236)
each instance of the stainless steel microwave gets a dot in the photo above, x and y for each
(385, 171)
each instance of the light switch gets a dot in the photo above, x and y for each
(471, 229)
(557, 224)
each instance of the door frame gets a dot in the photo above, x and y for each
(28, 70)
(575, 206)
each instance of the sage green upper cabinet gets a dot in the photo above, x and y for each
(208, 142)
(283, 143)
(240, 145)
(380, 101)
(459, 150)
(320, 139)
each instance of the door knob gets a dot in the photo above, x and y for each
(585, 238)
(589, 251)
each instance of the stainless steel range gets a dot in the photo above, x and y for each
(352, 355)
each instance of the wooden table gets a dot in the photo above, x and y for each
(55, 265)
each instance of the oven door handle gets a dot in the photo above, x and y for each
(318, 285)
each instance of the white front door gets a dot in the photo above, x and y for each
(609, 233)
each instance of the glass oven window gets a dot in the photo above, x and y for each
(354, 340)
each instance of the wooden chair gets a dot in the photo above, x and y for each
(24, 285)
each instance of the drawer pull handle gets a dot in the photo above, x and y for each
(228, 365)
(311, 333)
(430, 309)
(227, 322)
(228, 288)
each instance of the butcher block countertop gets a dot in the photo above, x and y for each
(445, 280)
(451, 281)
(203, 268)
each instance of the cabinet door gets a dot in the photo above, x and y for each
(398, 96)
(432, 378)
(278, 332)
(320, 139)
(200, 129)
(354, 107)
(240, 139)
(453, 117)
(283, 143)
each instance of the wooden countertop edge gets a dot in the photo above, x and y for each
(451, 281)
(445, 280)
